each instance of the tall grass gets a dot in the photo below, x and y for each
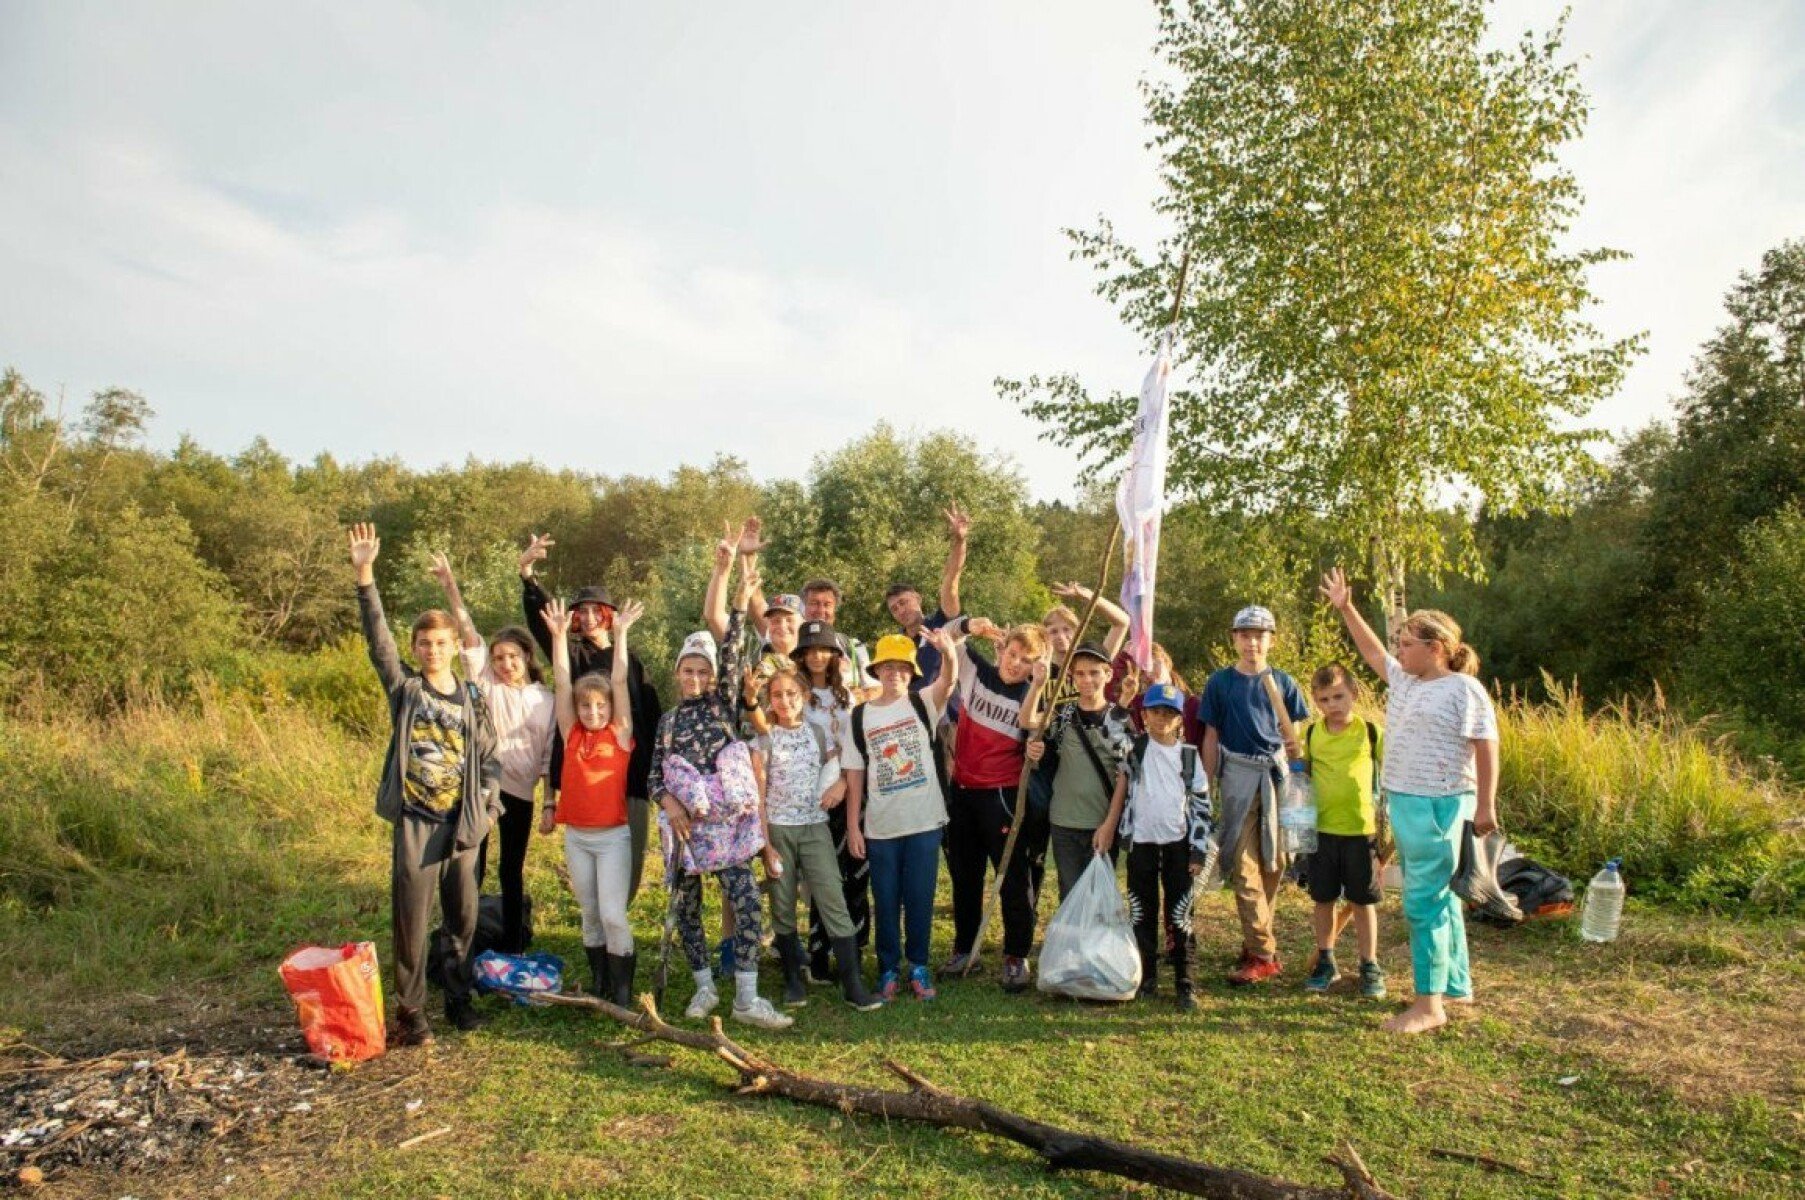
(166, 844)
(1692, 823)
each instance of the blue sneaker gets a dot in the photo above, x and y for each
(921, 983)
(1324, 976)
(888, 985)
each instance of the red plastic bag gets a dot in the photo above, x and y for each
(338, 997)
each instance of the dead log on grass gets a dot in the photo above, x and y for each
(1062, 1149)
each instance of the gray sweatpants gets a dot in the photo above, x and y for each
(807, 852)
(426, 861)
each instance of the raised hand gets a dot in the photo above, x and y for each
(440, 569)
(751, 540)
(626, 614)
(557, 620)
(939, 639)
(724, 549)
(983, 627)
(1037, 674)
(1336, 589)
(365, 546)
(535, 552)
(958, 522)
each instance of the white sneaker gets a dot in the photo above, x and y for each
(702, 1003)
(761, 1014)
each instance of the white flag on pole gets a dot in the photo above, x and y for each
(1140, 499)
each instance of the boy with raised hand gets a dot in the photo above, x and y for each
(440, 789)
(592, 653)
(904, 600)
(1244, 753)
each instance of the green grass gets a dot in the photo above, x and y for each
(163, 862)
(1691, 822)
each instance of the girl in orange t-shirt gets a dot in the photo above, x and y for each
(596, 721)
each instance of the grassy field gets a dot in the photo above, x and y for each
(149, 892)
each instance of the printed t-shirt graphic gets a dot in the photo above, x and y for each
(988, 753)
(434, 778)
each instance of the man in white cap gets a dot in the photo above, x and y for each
(1244, 752)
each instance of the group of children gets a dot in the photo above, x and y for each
(851, 773)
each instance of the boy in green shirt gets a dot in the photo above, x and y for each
(1343, 751)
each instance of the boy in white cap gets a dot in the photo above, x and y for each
(1243, 752)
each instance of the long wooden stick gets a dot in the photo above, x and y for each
(1062, 1149)
(1037, 720)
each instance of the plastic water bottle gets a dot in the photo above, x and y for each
(1604, 905)
(1297, 812)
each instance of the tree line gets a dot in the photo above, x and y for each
(1677, 560)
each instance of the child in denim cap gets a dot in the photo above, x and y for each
(1166, 823)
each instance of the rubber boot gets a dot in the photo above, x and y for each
(852, 984)
(621, 983)
(600, 981)
(790, 951)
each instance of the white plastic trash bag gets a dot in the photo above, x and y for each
(1089, 951)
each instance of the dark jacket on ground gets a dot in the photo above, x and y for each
(480, 803)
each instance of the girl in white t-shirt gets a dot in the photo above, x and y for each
(1440, 771)
(829, 708)
(521, 707)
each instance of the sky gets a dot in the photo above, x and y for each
(624, 237)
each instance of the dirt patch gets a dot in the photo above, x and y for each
(148, 1112)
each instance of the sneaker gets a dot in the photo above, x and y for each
(702, 1003)
(959, 964)
(1255, 970)
(761, 1014)
(922, 984)
(464, 1016)
(1015, 974)
(1372, 981)
(888, 985)
(1187, 1001)
(411, 1028)
(1323, 975)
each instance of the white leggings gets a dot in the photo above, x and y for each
(601, 871)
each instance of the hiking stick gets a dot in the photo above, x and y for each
(994, 895)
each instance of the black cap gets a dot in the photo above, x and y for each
(815, 635)
(593, 594)
(1090, 650)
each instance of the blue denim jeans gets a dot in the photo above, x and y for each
(904, 874)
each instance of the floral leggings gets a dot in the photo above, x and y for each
(748, 921)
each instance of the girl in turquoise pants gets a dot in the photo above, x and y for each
(1440, 771)
(1427, 831)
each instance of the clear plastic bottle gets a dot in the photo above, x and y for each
(1603, 910)
(1297, 811)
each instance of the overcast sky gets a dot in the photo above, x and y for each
(622, 237)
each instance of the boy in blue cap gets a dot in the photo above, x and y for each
(1166, 823)
(1244, 755)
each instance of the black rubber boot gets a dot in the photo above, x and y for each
(600, 980)
(852, 984)
(621, 985)
(795, 989)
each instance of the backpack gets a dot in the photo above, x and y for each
(921, 713)
(486, 936)
(1538, 890)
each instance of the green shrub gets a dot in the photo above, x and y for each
(1692, 823)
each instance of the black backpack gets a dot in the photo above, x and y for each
(487, 936)
(921, 712)
(1538, 890)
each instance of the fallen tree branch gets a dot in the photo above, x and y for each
(1484, 1160)
(929, 1104)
